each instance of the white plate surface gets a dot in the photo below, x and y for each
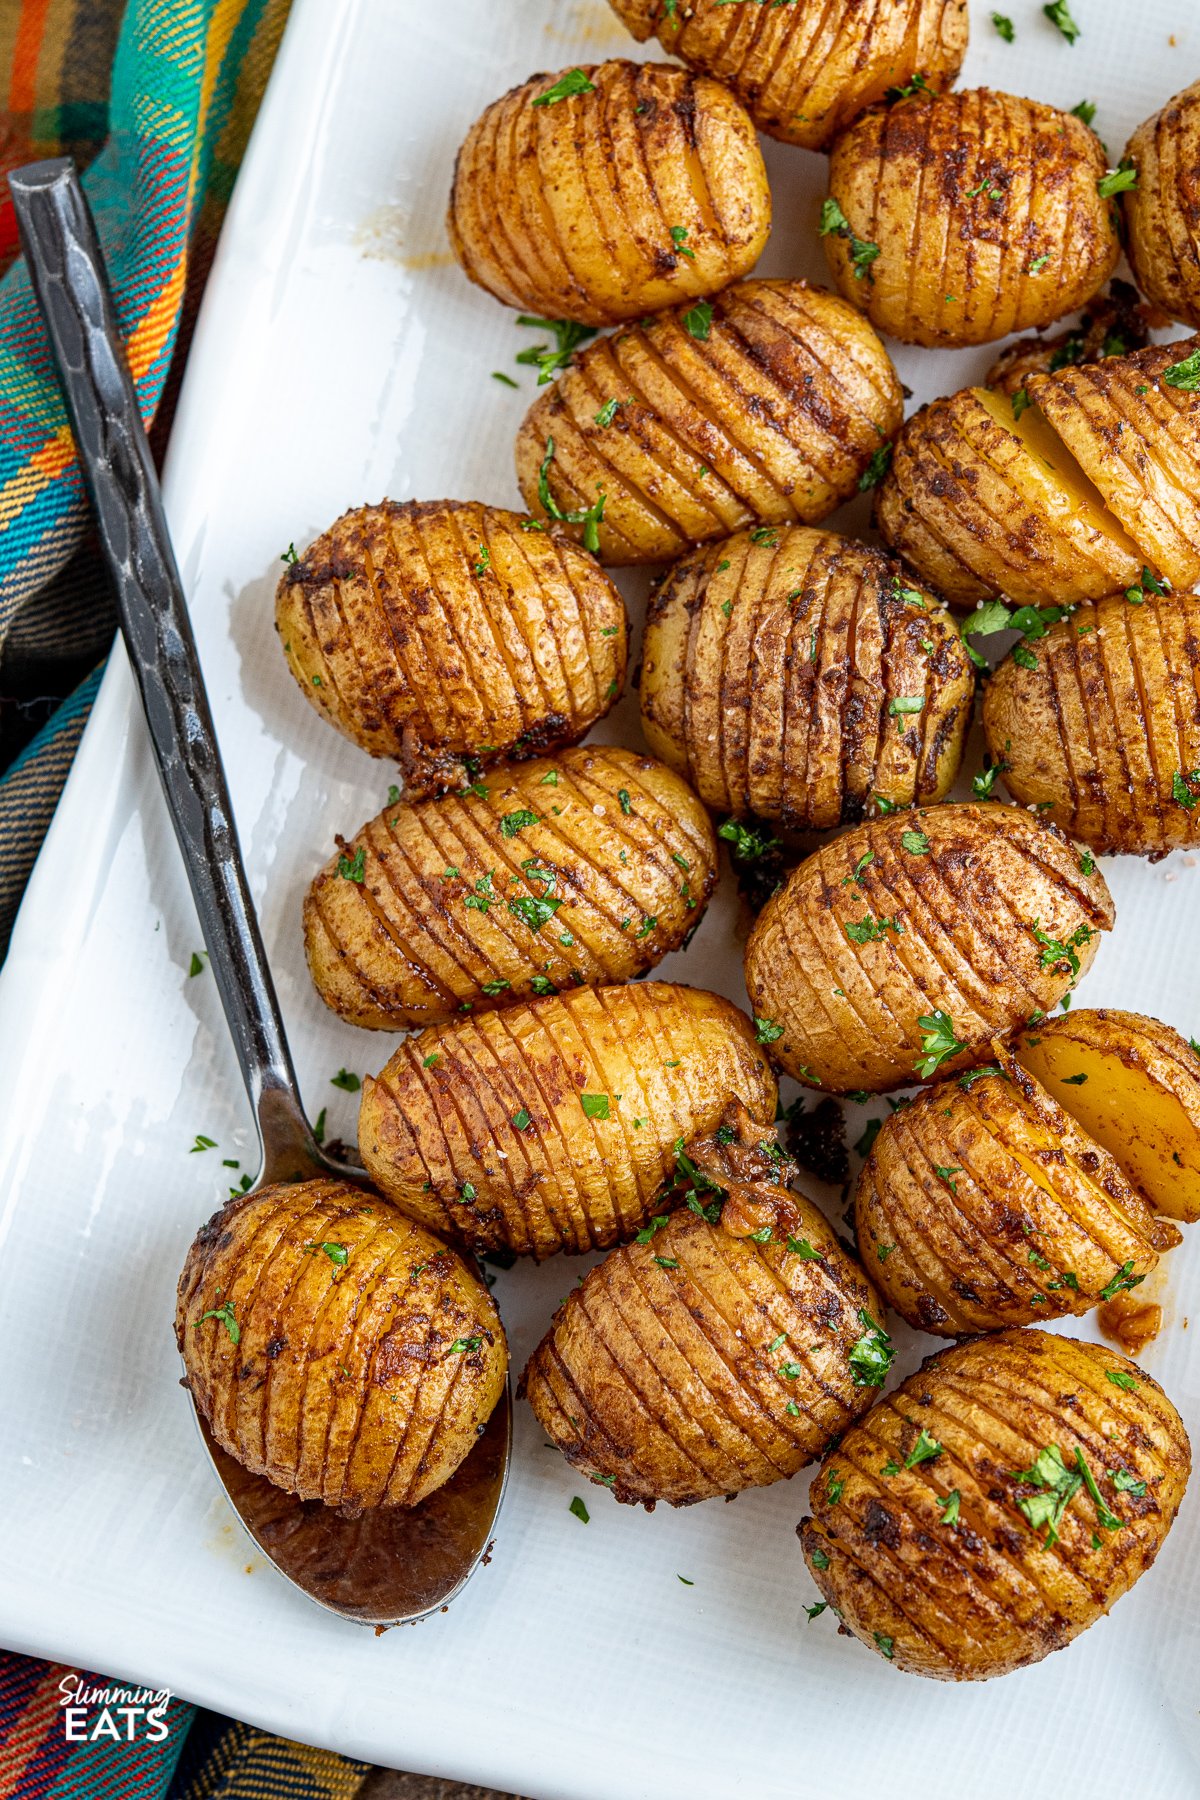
(341, 357)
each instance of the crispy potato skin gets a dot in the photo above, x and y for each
(804, 70)
(436, 1128)
(1141, 1098)
(991, 1208)
(1162, 213)
(344, 1385)
(948, 929)
(770, 416)
(669, 1373)
(1101, 731)
(769, 663)
(986, 1595)
(963, 194)
(575, 209)
(608, 837)
(442, 634)
(980, 502)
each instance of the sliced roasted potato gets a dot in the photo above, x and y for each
(336, 1347)
(957, 218)
(770, 662)
(547, 875)
(765, 404)
(997, 1504)
(1099, 727)
(982, 498)
(552, 1125)
(983, 1204)
(1134, 1085)
(448, 634)
(905, 945)
(806, 69)
(1112, 324)
(607, 192)
(722, 1350)
(1162, 213)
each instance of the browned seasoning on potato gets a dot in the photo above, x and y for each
(1162, 210)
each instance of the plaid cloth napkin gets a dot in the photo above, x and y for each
(157, 97)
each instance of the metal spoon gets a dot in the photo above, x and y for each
(390, 1564)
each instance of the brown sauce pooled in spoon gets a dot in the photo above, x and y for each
(1130, 1322)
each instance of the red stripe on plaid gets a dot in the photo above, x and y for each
(34, 1747)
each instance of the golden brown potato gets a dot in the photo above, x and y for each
(336, 1347)
(604, 193)
(983, 1204)
(766, 404)
(548, 875)
(905, 945)
(448, 634)
(1162, 213)
(997, 1504)
(957, 218)
(1134, 1084)
(806, 69)
(1099, 724)
(1114, 323)
(1133, 426)
(770, 662)
(553, 1124)
(722, 1350)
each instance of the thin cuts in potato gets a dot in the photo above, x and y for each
(806, 69)
(767, 404)
(1162, 208)
(552, 1125)
(611, 191)
(336, 1347)
(543, 876)
(448, 635)
(1098, 723)
(725, 1348)
(773, 665)
(905, 945)
(1133, 1083)
(958, 218)
(985, 1204)
(997, 1504)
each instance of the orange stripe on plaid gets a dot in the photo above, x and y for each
(22, 86)
(28, 1735)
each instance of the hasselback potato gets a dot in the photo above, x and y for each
(552, 1125)
(997, 1504)
(806, 69)
(1162, 212)
(905, 945)
(983, 1204)
(722, 1350)
(1098, 723)
(765, 404)
(448, 634)
(957, 218)
(546, 875)
(771, 660)
(336, 1347)
(1133, 1083)
(607, 192)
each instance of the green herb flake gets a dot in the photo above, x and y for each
(1120, 1379)
(573, 82)
(766, 1031)
(1122, 1281)
(876, 469)
(1059, 15)
(596, 1106)
(1185, 375)
(915, 842)
(352, 868)
(938, 1042)
(950, 1507)
(1118, 181)
(349, 1083)
(872, 1356)
(697, 321)
(224, 1316)
(886, 1644)
(196, 966)
(1086, 110)
(579, 1510)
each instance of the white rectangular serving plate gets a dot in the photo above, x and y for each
(341, 356)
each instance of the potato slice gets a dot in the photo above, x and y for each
(1162, 213)
(336, 1347)
(806, 69)
(765, 404)
(721, 1351)
(770, 662)
(997, 1504)
(603, 193)
(959, 218)
(983, 1204)
(1139, 1096)
(552, 1125)
(547, 875)
(906, 944)
(449, 634)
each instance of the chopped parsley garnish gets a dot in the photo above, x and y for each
(1122, 1281)
(1184, 375)
(579, 1509)
(595, 1106)
(1181, 791)
(947, 1175)
(862, 253)
(573, 82)
(1004, 26)
(1107, 1521)
(514, 822)
(925, 1449)
(983, 784)
(464, 1346)
(906, 703)
(1057, 1486)
(196, 966)
(766, 1031)
(1118, 181)
(816, 1609)
(567, 337)
(589, 517)
(871, 931)
(521, 1119)
(352, 868)
(938, 1042)
(950, 1506)
(803, 1249)
(607, 413)
(1086, 110)
(872, 1356)
(1120, 1379)
(648, 1231)
(876, 469)
(1055, 952)
(748, 842)
(349, 1083)
(835, 1487)
(224, 1316)
(1059, 14)
(886, 1644)
(679, 237)
(1126, 1482)
(202, 1143)
(915, 842)
(697, 321)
